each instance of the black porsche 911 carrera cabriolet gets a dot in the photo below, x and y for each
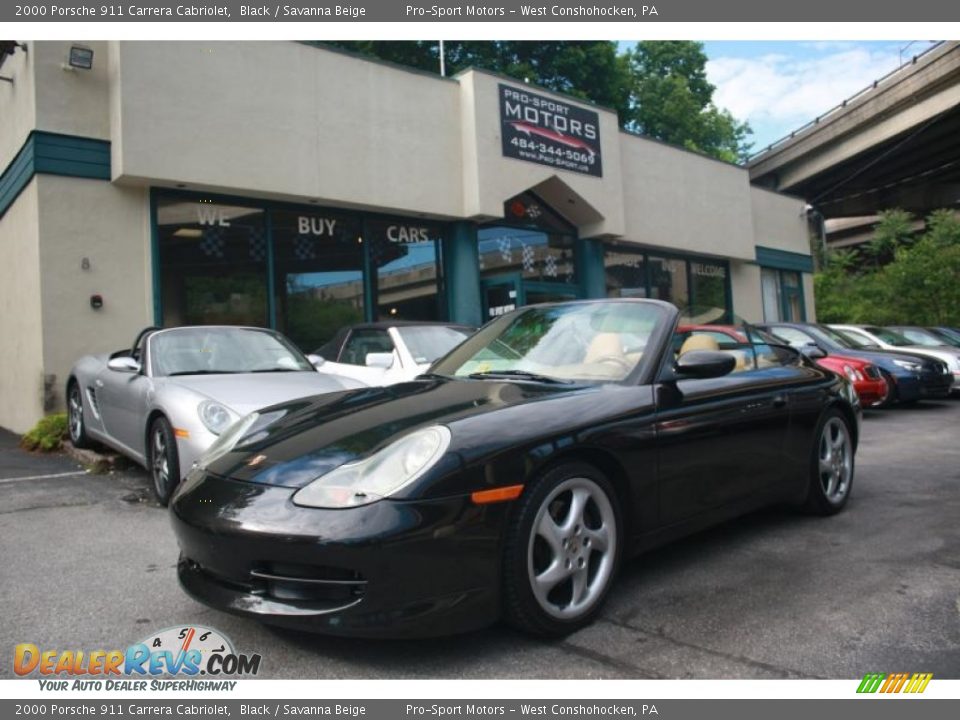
(511, 480)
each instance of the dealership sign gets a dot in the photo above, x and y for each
(542, 130)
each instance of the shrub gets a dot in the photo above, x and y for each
(47, 435)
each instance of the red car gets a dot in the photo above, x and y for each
(866, 378)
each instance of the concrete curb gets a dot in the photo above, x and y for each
(97, 461)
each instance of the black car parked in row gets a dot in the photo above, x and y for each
(510, 481)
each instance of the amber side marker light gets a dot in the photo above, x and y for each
(181, 433)
(500, 494)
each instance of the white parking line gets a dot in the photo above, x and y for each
(4, 481)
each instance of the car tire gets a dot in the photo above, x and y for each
(563, 548)
(76, 424)
(832, 465)
(163, 460)
(891, 398)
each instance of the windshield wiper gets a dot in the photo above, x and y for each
(202, 372)
(278, 369)
(517, 375)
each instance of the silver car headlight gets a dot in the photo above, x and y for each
(908, 365)
(215, 417)
(227, 440)
(380, 475)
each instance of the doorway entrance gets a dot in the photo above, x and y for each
(503, 293)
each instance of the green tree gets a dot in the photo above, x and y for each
(917, 286)
(924, 276)
(658, 88)
(894, 229)
(672, 100)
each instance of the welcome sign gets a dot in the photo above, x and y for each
(540, 129)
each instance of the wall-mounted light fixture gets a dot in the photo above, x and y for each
(80, 58)
(9, 47)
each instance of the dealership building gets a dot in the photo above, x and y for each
(286, 185)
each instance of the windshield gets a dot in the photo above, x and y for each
(587, 341)
(217, 350)
(921, 337)
(835, 336)
(889, 336)
(426, 343)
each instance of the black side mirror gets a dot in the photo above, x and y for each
(813, 351)
(704, 364)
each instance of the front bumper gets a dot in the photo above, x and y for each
(389, 569)
(871, 391)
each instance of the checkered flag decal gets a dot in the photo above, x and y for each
(213, 243)
(528, 256)
(550, 266)
(504, 244)
(258, 245)
(305, 248)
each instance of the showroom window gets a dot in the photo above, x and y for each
(318, 274)
(305, 271)
(782, 292)
(404, 254)
(213, 263)
(698, 286)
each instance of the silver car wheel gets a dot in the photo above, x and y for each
(160, 461)
(572, 549)
(836, 460)
(75, 413)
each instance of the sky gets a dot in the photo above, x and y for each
(779, 86)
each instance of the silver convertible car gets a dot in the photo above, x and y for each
(163, 401)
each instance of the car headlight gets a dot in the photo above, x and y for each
(215, 417)
(908, 365)
(852, 373)
(380, 475)
(227, 440)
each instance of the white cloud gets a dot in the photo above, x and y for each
(784, 92)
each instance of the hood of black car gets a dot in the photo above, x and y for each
(312, 436)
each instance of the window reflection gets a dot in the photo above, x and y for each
(318, 261)
(213, 263)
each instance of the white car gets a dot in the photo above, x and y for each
(872, 336)
(384, 353)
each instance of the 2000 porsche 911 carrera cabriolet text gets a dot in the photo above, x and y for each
(511, 480)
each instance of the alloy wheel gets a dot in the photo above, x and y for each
(572, 550)
(836, 460)
(75, 413)
(160, 461)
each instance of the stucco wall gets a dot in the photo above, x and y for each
(680, 200)
(21, 352)
(71, 102)
(109, 226)
(779, 221)
(809, 298)
(286, 120)
(747, 294)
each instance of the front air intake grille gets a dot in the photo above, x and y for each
(310, 583)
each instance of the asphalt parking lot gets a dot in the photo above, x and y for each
(89, 563)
